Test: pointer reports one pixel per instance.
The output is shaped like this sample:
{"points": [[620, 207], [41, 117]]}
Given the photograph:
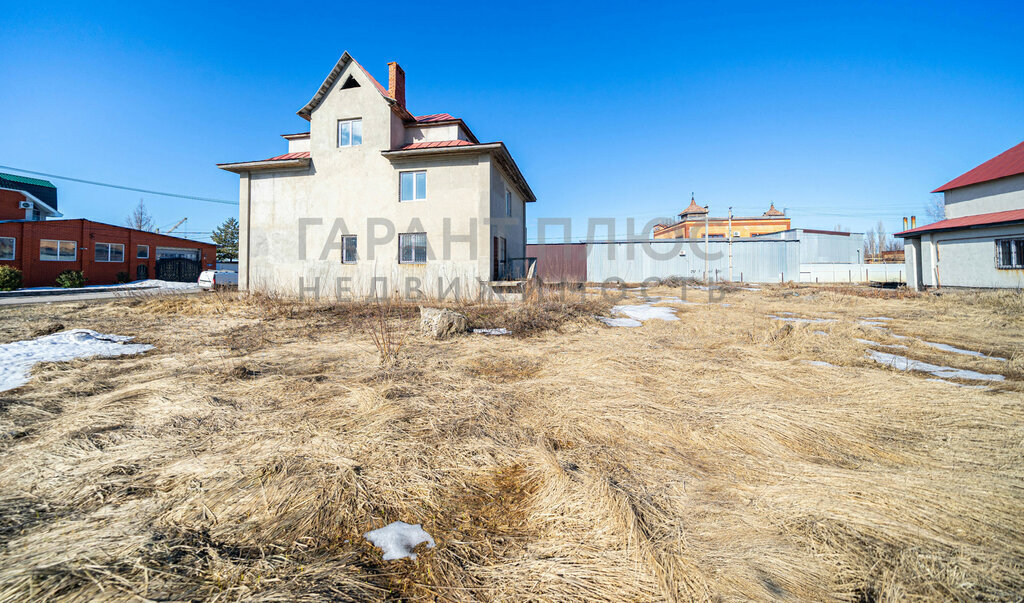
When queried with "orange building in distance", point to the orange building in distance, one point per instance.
{"points": [[691, 224]]}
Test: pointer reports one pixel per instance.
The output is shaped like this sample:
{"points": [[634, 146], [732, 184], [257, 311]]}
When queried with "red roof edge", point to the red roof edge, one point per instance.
{"points": [[998, 217], [1008, 163]]}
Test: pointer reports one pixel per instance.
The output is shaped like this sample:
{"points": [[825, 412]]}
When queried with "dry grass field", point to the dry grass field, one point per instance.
{"points": [[704, 458]]}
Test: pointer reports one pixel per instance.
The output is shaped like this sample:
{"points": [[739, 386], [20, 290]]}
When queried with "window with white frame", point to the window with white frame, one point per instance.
{"points": [[53, 250], [142, 252], [7, 248], [413, 185], [350, 132], [508, 202], [109, 252], [348, 249], [1009, 254], [412, 248]]}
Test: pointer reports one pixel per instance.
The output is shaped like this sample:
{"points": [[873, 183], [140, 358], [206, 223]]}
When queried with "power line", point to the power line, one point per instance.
{"points": [[118, 186]]}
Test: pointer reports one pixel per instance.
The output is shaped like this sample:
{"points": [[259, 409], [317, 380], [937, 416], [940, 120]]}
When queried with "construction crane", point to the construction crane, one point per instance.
{"points": [[176, 224]]}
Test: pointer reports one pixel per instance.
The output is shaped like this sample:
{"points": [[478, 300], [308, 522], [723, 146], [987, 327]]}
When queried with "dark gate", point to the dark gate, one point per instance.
{"points": [[182, 270], [141, 272]]}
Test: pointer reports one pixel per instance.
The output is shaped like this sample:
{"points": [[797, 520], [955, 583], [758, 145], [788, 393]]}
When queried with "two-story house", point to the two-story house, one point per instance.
{"points": [[374, 200], [980, 243]]}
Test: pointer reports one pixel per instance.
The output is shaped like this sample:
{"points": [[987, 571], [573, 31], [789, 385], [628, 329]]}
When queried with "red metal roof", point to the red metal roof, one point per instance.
{"points": [[436, 144], [999, 217], [286, 156], [1009, 163], [425, 119]]}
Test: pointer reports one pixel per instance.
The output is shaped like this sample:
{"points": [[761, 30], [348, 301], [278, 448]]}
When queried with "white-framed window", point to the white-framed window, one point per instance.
{"points": [[350, 132], [412, 248], [508, 202], [1009, 254], [413, 186], [7, 245], [348, 249], [109, 252], [52, 250], [142, 252]]}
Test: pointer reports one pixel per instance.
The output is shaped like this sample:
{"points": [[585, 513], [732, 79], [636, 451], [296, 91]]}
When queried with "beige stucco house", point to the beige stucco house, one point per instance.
{"points": [[375, 200], [980, 243]]}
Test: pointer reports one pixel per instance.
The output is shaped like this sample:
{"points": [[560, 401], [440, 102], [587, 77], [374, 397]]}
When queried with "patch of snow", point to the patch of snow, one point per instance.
{"points": [[948, 348], [881, 345], [956, 384], [750, 288], [146, 284], [646, 312], [18, 358], [906, 364], [875, 318], [619, 322], [498, 331], [818, 363], [800, 320], [398, 539], [821, 333], [872, 324]]}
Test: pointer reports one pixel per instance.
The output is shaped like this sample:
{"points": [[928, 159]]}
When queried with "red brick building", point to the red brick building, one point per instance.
{"points": [[42, 249]]}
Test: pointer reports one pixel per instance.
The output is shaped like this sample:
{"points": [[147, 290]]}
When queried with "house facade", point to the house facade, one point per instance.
{"points": [[373, 200], [693, 219], [980, 243]]}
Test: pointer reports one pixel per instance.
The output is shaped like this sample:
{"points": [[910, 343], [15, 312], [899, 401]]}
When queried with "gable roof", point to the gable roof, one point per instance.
{"points": [[975, 221], [772, 212], [1008, 163], [332, 77]]}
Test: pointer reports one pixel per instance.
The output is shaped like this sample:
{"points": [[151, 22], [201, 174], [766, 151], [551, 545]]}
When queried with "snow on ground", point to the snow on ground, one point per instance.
{"points": [[498, 331], [818, 363], [398, 539], [800, 320], [619, 322], [955, 384], [875, 318], [146, 284], [948, 348], [18, 358], [881, 345], [637, 313], [906, 364]]}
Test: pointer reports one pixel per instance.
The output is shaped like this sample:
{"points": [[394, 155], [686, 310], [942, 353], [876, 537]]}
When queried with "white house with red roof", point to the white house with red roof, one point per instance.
{"points": [[981, 241], [373, 199]]}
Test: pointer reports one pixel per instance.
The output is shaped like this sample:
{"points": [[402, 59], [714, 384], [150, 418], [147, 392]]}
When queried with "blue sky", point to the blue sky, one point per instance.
{"points": [[844, 114]]}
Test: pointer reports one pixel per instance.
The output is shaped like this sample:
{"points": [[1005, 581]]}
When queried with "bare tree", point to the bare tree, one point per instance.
{"points": [[935, 209], [870, 244], [140, 218]]}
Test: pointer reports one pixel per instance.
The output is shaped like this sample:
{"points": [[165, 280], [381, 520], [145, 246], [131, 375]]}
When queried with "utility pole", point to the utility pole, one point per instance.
{"points": [[707, 265], [730, 243]]}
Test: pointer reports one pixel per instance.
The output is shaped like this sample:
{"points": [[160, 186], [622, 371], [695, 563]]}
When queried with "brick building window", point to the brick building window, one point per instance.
{"points": [[142, 252], [109, 252], [52, 250], [1009, 254], [7, 248]]}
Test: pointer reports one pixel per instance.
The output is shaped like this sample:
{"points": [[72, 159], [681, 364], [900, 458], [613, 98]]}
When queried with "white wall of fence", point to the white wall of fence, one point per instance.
{"points": [[853, 273]]}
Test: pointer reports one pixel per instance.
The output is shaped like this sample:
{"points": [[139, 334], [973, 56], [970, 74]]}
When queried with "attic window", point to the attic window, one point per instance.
{"points": [[350, 83]]}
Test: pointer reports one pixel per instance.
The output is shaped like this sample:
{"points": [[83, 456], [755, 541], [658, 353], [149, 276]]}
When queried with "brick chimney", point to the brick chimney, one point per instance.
{"points": [[396, 83]]}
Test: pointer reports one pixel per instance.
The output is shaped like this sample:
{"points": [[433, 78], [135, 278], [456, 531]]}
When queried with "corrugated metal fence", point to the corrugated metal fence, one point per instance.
{"points": [[753, 261]]}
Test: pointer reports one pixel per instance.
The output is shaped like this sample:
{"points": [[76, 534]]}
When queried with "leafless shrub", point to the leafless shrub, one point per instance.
{"points": [[384, 324]]}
